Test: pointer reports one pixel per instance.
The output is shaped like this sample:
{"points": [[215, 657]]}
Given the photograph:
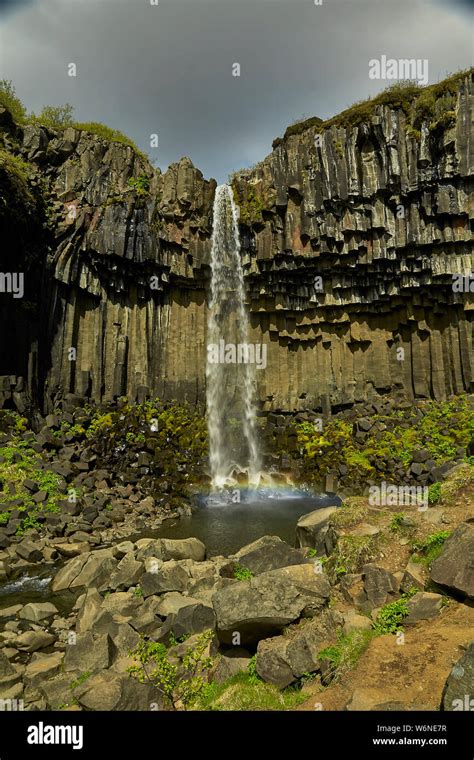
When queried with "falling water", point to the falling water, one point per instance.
{"points": [[230, 387]]}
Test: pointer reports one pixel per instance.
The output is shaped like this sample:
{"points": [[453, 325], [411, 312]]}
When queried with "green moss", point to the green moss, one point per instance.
{"points": [[442, 428], [251, 205]]}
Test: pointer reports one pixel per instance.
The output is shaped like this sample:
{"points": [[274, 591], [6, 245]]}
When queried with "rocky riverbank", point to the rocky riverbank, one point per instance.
{"points": [[271, 627]]}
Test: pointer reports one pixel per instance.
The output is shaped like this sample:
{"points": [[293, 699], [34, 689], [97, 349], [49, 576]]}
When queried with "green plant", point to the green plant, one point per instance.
{"points": [[137, 591], [80, 679], [242, 573], [180, 684], [140, 184], [343, 655], [252, 670], [397, 521], [431, 547], [56, 116], [434, 493], [391, 616], [10, 101]]}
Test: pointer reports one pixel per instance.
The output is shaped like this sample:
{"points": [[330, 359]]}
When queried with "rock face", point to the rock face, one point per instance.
{"points": [[458, 692], [454, 568], [119, 273]]}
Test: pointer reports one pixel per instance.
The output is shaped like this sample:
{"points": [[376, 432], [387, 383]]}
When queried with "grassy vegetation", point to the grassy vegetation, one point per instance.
{"points": [[351, 553], [430, 547], [242, 692], [433, 104], [59, 117], [344, 655]]}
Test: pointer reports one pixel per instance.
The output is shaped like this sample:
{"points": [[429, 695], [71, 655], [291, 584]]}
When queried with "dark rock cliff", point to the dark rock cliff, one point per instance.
{"points": [[116, 261]]}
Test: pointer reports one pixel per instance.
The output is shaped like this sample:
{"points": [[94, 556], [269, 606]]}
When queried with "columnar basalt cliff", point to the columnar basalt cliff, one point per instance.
{"points": [[377, 203]]}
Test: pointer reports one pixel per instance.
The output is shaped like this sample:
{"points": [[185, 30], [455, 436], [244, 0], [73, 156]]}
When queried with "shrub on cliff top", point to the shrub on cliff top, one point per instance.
{"points": [[418, 103]]}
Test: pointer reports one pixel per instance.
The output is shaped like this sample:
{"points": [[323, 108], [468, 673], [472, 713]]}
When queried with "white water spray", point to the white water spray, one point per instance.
{"points": [[229, 386]]}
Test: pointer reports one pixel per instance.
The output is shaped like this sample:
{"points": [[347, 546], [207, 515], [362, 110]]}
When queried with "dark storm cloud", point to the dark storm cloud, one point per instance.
{"points": [[168, 69]]}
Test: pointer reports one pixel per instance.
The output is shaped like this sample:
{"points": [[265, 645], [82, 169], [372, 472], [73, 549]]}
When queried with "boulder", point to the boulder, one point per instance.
{"points": [[6, 668], [312, 529], [116, 691], [42, 667], [268, 553], [123, 603], [423, 606], [29, 551], [380, 585], [281, 660], [89, 569], [172, 602], [89, 610], [171, 577], [36, 612], [168, 549], [89, 653], [263, 605], [354, 622], [454, 568], [128, 573], [30, 641], [458, 692], [191, 619], [230, 663], [413, 577]]}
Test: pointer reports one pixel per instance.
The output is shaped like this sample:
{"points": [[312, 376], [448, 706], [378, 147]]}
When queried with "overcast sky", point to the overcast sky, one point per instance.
{"points": [[167, 69]]}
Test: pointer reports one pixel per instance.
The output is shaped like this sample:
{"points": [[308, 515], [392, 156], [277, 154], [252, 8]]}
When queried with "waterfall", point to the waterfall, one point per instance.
{"points": [[229, 384]]}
